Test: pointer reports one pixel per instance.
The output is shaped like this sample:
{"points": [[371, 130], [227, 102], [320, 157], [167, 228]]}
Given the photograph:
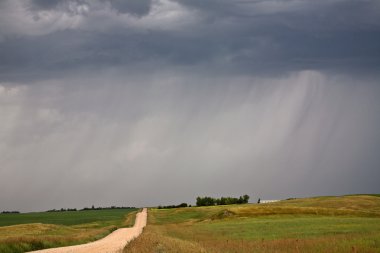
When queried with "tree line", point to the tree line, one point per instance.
{"points": [[174, 206], [7, 212], [89, 208], [74, 209], [209, 201]]}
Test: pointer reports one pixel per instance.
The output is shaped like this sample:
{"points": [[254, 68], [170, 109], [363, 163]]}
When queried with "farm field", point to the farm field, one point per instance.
{"points": [[32, 231], [321, 224]]}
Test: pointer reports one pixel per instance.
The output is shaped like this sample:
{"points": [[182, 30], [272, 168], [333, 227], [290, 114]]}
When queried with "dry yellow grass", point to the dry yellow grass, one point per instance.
{"points": [[51, 234], [356, 205], [154, 239], [361, 203]]}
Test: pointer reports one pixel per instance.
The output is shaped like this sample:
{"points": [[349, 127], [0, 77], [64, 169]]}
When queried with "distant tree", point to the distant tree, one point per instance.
{"points": [[209, 201], [206, 201], [10, 212], [173, 206], [199, 201]]}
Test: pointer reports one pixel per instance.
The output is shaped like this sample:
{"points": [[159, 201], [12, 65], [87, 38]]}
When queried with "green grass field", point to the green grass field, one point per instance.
{"points": [[65, 218], [321, 224], [33, 231]]}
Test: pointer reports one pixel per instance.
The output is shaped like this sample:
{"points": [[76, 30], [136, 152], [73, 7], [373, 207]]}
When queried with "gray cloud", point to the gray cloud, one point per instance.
{"points": [[46, 4], [172, 136], [138, 7], [247, 37], [174, 99]]}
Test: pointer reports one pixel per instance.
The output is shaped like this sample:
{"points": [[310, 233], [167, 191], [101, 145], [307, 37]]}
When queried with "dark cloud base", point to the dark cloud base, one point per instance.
{"points": [[329, 36]]}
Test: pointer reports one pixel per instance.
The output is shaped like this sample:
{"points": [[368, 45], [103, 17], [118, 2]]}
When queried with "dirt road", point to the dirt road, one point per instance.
{"points": [[113, 243]]}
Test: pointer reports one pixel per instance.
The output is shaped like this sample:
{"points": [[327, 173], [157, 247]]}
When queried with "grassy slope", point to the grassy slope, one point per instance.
{"points": [[44, 230], [323, 224]]}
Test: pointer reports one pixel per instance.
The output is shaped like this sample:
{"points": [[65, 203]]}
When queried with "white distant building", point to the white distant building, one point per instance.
{"points": [[265, 201]]}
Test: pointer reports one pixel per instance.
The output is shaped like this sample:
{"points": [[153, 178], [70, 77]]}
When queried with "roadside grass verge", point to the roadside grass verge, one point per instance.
{"points": [[35, 236], [323, 224], [155, 240]]}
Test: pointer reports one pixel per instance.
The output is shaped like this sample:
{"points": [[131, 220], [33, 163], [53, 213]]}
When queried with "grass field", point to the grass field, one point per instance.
{"points": [[32, 231], [321, 224]]}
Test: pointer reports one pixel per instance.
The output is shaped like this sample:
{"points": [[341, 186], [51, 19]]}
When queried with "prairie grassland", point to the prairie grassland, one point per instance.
{"points": [[325, 224], [65, 228]]}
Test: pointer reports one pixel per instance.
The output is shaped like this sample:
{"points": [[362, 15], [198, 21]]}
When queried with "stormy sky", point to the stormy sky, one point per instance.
{"points": [[148, 102]]}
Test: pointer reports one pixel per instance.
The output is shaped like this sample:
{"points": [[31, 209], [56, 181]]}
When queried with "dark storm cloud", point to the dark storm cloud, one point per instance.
{"points": [[139, 7], [46, 4], [293, 35], [237, 36], [174, 99]]}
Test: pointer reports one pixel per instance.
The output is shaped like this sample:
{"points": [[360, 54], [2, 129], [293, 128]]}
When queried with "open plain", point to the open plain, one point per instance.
{"points": [[320, 224]]}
